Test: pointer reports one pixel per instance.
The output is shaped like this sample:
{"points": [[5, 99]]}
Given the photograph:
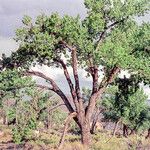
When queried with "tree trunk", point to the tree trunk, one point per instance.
{"points": [[125, 130], [115, 128], [148, 135], [85, 133]]}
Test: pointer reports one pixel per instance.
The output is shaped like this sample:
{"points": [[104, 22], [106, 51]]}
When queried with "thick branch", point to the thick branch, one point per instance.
{"points": [[95, 79], [74, 66], [66, 73], [66, 45], [47, 88], [76, 78], [102, 87], [55, 88], [115, 70]]}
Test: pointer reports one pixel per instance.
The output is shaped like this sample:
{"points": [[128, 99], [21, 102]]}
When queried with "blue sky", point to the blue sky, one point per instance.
{"points": [[11, 13]]}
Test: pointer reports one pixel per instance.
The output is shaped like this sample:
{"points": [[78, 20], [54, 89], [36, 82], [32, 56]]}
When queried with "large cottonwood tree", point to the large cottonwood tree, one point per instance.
{"points": [[108, 37]]}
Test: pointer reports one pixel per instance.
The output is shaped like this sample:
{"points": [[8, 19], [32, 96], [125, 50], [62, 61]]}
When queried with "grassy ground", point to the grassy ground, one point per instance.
{"points": [[48, 140]]}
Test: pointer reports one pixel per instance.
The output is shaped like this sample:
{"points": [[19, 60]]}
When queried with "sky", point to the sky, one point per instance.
{"points": [[11, 14]]}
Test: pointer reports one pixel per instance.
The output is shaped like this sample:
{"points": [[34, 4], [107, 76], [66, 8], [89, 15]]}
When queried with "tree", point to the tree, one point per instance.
{"points": [[109, 37], [11, 86], [25, 105], [27, 114], [126, 103]]}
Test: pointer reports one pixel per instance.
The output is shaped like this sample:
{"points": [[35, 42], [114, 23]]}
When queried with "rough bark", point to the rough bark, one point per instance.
{"points": [[85, 133]]}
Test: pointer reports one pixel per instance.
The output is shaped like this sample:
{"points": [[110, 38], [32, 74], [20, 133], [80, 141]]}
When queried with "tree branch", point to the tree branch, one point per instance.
{"points": [[55, 88], [75, 72], [47, 88], [105, 30], [76, 78], [102, 87], [44, 87], [95, 79], [115, 70], [66, 73], [44, 108]]}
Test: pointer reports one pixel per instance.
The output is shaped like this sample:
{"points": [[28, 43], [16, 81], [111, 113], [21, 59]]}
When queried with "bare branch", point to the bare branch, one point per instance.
{"points": [[115, 70], [66, 73], [75, 71], [66, 45], [95, 79], [55, 107], [51, 109], [55, 88]]}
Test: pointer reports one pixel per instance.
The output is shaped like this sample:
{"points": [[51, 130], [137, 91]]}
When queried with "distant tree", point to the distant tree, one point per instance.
{"points": [[24, 105], [11, 86], [108, 36], [126, 103], [29, 113]]}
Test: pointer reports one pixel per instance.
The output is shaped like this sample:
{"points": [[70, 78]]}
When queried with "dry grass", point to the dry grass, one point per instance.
{"points": [[6, 134], [101, 141]]}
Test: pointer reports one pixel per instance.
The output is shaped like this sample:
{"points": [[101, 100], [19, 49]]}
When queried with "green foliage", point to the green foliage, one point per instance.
{"points": [[11, 81], [26, 105], [127, 102], [25, 121], [58, 117], [17, 137], [124, 43]]}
